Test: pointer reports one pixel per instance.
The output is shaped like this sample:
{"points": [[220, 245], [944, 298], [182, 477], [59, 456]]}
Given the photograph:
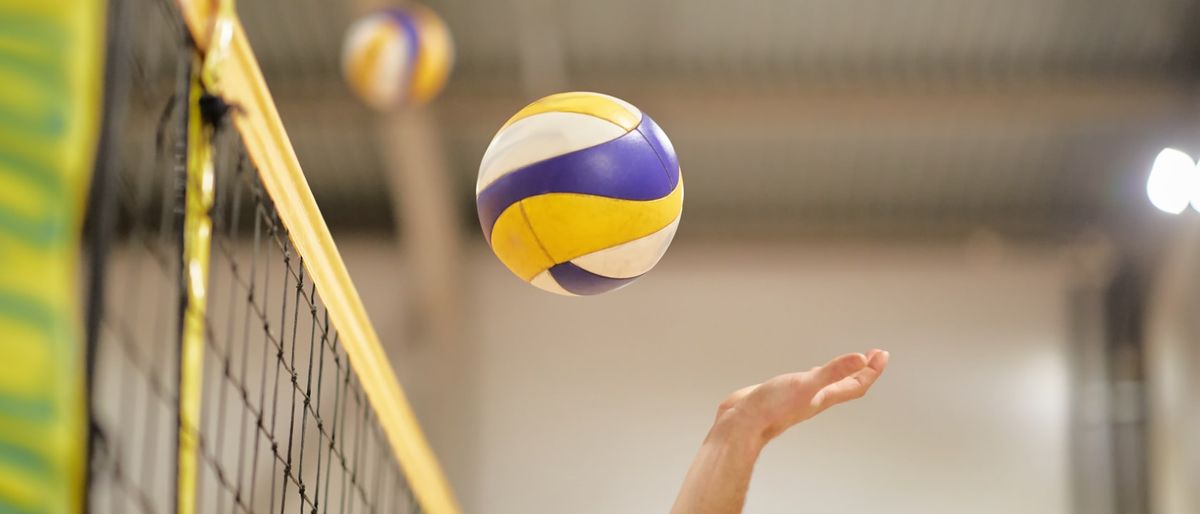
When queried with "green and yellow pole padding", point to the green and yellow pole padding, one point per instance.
{"points": [[267, 143], [197, 245], [51, 62]]}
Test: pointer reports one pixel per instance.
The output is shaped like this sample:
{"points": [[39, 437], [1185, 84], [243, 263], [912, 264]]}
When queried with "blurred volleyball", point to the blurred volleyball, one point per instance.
{"points": [[398, 55], [579, 193]]}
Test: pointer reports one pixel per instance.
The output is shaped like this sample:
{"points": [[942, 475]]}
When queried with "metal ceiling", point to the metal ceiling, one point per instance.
{"points": [[1035, 117]]}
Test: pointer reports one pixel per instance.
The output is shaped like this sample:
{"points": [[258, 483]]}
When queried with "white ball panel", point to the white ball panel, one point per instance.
{"points": [[383, 84], [546, 282], [387, 80], [540, 137], [631, 259], [357, 36]]}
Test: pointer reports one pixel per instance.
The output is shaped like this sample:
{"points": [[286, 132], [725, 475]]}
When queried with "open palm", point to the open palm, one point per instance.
{"points": [[788, 399]]}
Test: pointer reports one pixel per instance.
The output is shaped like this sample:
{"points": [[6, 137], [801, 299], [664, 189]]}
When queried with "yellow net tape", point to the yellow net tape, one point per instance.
{"points": [[267, 143], [197, 243]]}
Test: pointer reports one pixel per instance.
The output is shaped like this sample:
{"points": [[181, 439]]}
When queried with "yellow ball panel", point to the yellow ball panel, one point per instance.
{"points": [[592, 104], [517, 246], [435, 60], [569, 225], [362, 65]]}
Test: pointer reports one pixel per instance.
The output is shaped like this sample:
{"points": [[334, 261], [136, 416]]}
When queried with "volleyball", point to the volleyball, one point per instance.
{"points": [[397, 56], [579, 193]]}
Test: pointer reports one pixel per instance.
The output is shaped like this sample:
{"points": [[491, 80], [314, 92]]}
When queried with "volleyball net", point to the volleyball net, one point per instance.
{"points": [[232, 366]]}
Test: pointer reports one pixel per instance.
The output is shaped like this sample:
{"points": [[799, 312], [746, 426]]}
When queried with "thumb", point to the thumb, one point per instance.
{"points": [[838, 368]]}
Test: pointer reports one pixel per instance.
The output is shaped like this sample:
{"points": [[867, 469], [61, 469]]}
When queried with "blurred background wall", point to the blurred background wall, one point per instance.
{"points": [[597, 406]]}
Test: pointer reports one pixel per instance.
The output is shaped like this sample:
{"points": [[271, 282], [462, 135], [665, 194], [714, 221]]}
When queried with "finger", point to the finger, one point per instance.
{"points": [[854, 386], [878, 360], [849, 388], [838, 368]]}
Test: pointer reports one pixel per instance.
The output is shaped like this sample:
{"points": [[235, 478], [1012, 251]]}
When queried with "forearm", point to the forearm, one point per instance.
{"points": [[719, 477]]}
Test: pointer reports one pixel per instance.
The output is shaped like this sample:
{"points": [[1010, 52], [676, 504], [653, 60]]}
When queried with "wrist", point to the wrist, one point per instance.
{"points": [[735, 428]]}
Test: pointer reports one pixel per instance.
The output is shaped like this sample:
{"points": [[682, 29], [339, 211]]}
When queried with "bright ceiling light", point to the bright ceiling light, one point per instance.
{"points": [[1173, 181]]}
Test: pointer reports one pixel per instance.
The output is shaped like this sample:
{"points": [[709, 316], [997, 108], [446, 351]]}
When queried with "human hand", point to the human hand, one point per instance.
{"points": [[770, 408], [717, 481]]}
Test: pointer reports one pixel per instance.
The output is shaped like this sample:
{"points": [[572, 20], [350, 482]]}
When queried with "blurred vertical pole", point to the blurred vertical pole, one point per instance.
{"points": [[1090, 429], [539, 41], [1108, 414], [1173, 377], [441, 370], [423, 200], [1125, 308]]}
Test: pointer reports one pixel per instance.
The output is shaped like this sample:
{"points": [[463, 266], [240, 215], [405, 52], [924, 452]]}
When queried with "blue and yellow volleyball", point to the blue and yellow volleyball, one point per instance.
{"points": [[398, 56], [579, 193]]}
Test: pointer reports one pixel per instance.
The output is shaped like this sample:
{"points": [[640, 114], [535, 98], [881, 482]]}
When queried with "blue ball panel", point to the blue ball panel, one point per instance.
{"points": [[627, 167]]}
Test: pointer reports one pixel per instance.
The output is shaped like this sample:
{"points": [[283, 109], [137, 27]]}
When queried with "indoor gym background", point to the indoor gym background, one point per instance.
{"points": [[962, 183]]}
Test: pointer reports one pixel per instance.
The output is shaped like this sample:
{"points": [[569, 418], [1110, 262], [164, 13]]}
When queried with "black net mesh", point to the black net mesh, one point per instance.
{"points": [[285, 424], [134, 253]]}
